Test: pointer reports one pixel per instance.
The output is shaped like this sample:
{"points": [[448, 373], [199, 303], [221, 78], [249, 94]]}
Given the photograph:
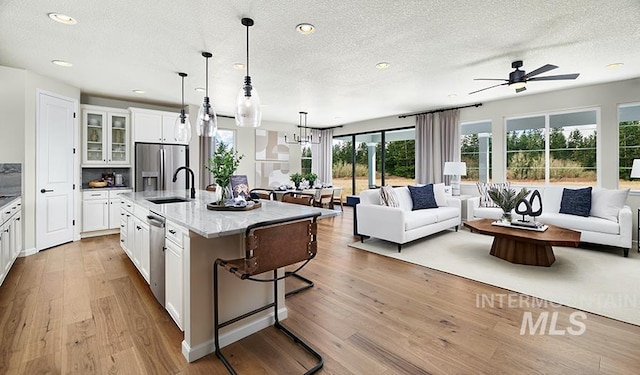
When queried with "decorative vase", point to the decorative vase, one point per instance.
{"points": [[506, 217]]}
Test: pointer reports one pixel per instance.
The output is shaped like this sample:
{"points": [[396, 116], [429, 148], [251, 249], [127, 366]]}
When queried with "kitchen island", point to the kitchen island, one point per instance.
{"points": [[212, 235]]}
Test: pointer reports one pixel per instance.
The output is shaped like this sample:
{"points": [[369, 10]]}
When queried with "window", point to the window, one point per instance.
{"points": [[475, 150], [306, 159], [226, 136], [557, 148], [365, 160], [400, 157], [629, 143]]}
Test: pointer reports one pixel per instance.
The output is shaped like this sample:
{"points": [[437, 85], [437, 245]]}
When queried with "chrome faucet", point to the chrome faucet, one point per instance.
{"points": [[193, 178]]}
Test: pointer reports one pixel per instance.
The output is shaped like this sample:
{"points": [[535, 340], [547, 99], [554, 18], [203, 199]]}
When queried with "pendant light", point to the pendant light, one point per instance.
{"points": [[304, 137], [182, 128], [207, 121], [248, 113]]}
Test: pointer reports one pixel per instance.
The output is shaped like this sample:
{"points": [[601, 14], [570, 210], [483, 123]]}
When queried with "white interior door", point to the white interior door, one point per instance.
{"points": [[55, 161]]}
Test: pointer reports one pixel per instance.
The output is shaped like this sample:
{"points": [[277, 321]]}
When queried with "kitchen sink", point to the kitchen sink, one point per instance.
{"points": [[166, 200]]}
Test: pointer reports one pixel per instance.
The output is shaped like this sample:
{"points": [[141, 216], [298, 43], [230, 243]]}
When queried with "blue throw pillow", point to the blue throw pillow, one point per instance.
{"points": [[422, 197], [576, 202]]}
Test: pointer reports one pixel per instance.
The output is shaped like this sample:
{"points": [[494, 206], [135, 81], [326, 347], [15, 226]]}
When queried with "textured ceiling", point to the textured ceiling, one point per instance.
{"points": [[436, 48]]}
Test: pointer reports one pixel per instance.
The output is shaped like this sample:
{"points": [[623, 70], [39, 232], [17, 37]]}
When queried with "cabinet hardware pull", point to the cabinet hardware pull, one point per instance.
{"points": [[172, 231], [96, 195], [138, 227]]}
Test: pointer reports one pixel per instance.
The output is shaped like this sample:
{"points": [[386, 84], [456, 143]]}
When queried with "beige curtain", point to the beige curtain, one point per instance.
{"points": [[424, 149], [449, 139], [206, 151], [436, 145], [322, 155]]}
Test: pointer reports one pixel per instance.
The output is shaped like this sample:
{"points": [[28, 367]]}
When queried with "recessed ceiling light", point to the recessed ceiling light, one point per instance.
{"points": [[62, 18], [614, 65], [383, 65], [453, 95], [305, 28], [200, 89], [239, 66], [66, 64], [139, 91]]}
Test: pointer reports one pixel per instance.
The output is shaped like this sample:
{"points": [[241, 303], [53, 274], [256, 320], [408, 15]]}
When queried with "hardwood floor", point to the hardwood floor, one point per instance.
{"points": [[83, 308]]}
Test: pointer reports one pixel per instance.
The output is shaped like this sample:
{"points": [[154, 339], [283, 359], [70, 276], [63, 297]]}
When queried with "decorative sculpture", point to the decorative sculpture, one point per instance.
{"points": [[534, 200]]}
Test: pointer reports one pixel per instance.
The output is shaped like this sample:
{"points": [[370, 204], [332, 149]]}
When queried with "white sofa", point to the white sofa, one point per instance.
{"points": [[400, 224], [594, 229]]}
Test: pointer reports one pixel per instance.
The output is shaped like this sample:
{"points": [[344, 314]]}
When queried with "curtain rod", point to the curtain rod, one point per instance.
{"points": [[441, 110]]}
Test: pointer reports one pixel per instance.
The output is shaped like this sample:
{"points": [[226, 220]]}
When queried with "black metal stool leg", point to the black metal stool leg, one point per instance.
{"points": [[291, 335], [216, 325], [309, 283]]}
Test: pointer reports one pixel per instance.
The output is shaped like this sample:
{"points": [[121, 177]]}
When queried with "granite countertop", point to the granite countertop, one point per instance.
{"points": [[6, 202], [195, 216]]}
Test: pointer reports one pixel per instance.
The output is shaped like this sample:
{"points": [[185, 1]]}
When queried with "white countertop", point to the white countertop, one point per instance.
{"points": [[195, 216]]}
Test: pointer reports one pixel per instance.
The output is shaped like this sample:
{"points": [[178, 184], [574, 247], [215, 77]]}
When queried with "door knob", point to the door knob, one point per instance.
{"points": [[45, 191]]}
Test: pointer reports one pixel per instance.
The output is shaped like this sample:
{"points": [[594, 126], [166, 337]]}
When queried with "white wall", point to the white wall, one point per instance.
{"points": [[12, 115]]}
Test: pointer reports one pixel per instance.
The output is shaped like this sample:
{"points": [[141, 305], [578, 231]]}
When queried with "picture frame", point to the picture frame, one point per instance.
{"points": [[240, 186]]}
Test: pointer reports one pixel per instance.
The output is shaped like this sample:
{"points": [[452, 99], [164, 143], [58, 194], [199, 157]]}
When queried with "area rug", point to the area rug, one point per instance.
{"points": [[597, 280]]}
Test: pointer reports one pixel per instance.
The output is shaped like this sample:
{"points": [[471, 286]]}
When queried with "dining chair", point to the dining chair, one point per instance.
{"points": [[269, 246], [325, 199], [337, 198], [295, 197], [262, 193]]}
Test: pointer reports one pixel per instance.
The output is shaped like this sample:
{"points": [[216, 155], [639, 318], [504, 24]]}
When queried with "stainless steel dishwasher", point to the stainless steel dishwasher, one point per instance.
{"points": [[156, 254]]}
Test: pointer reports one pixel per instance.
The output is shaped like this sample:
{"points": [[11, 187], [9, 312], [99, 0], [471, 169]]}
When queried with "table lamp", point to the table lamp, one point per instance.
{"points": [[635, 169], [457, 169]]}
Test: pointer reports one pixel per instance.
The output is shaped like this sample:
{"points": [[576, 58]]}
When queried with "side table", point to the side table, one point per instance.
{"points": [[463, 204]]}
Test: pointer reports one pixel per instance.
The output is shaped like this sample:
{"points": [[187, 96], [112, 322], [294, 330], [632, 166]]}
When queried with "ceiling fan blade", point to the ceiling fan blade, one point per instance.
{"points": [[490, 87], [520, 89], [490, 79], [540, 70], [553, 78]]}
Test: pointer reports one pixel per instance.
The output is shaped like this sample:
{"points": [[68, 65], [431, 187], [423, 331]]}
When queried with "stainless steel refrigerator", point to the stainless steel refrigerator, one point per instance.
{"points": [[156, 164]]}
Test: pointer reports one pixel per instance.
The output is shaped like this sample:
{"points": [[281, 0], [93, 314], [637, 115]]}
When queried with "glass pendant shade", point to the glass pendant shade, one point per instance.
{"points": [[248, 113], [207, 119], [182, 129]]}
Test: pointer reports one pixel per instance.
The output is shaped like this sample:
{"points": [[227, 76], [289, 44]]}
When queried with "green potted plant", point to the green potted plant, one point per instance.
{"points": [[506, 199], [222, 166], [311, 178], [296, 178]]}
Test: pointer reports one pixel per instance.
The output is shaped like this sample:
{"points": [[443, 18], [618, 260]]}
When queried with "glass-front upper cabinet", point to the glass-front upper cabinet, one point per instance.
{"points": [[119, 138], [105, 136]]}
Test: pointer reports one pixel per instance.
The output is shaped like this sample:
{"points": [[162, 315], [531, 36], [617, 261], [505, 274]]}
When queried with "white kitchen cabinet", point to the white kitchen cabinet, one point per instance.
{"points": [[176, 238], [95, 210], [10, 236], [105, 136], [114, 207], [154, 126], [141, 248], [101, 210]]}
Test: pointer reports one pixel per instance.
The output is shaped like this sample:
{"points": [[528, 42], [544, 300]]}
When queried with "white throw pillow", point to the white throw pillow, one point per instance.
{"points": [[388, 197], [439, 193], [606, 203]]}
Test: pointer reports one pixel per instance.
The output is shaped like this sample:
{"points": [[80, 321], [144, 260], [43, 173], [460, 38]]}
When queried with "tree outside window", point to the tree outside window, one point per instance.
{"points": [[475, 150], [629, 143]]}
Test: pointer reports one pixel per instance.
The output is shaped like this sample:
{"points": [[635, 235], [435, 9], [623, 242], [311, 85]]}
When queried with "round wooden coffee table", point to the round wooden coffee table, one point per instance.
{"points": [[523, 246]]}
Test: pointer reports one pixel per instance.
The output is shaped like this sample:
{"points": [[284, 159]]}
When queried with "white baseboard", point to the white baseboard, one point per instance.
{"points": [[99, 233], [226, 338], [27, 252]]}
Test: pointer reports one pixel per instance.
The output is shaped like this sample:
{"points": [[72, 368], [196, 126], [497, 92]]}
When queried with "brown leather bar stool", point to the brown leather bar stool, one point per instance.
{"points": [[304, 199], [268, 246]]}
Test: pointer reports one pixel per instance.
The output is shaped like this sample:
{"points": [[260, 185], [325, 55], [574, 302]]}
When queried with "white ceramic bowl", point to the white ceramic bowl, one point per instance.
{"points": [[118, 123], [93, 121]]}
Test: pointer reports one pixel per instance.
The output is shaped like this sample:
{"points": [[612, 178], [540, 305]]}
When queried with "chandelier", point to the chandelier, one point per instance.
{"points": [[304, 135]]}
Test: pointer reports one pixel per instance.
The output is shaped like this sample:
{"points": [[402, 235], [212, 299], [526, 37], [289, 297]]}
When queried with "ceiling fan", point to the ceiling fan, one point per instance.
{"points": [[518, 78]]}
